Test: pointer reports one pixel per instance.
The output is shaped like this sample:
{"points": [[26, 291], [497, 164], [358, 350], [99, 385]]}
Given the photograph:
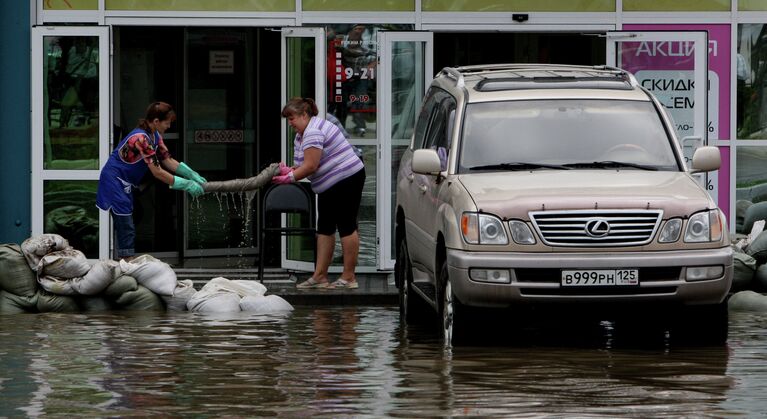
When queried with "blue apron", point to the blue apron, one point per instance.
{"points": [[118, 178]]}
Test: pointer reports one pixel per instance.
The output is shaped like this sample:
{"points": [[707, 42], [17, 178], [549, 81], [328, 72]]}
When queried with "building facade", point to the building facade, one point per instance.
{"points": [[228, 66]]}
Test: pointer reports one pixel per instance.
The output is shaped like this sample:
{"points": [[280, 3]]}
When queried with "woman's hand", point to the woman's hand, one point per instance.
{"points": [[282, 179], [284, 170]]}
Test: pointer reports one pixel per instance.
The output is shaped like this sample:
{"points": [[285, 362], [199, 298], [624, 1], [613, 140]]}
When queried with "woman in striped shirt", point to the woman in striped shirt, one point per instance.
{"points": [[324, 156]]}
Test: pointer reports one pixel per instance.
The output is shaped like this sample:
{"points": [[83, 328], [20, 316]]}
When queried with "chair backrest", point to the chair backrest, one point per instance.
{"points": [[288, 198]]}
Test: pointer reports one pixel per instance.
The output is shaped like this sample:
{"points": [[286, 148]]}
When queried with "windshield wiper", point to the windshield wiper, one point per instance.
{"points": [[604, 164], [519, 166]]}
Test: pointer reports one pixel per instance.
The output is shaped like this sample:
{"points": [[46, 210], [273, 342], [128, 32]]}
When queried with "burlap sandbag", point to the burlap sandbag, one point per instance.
{"points": [[181, 295], [67, 263], [759, 282], [152, 273], [15, 275], [121, 285], [94, 303], [52, 303], [747, 301], [34, 248], [758, 248], [754, 213], [14, 304], [141, 299], [269, 304], [745, 266]]}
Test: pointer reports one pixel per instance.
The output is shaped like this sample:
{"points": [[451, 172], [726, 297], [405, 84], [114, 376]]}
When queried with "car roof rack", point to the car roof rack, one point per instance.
{"points": [[590, 77]]}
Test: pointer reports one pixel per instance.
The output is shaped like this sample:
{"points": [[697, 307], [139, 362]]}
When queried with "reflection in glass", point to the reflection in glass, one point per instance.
{"points": [[352, 73], [71, 102], [751, 74], [70, 212], [750, 187]]}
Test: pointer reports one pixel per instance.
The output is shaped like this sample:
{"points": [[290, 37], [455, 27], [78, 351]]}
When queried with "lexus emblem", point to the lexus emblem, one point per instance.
{"points": [[597, 227]]}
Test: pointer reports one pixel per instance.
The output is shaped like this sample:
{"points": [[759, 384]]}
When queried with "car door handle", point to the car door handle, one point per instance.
{"points": [[423, 188], [410, 176]]}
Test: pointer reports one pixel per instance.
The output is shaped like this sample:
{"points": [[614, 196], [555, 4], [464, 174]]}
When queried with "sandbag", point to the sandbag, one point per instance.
{"points": [[16, 276], [14, 304], [140, 299], [52, 303], [94, 303], [98, 277], [755, 212], [747, 301], [759, 283], [221, 295], [152, 273], [34, 248], [758, 248], [67, 263], [120, 286], [268, 304], [240, 185], [744, 267], [181, 295]]}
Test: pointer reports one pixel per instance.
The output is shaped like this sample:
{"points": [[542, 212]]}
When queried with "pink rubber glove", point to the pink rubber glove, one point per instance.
{"points": [[284, 170], [283, 179]]}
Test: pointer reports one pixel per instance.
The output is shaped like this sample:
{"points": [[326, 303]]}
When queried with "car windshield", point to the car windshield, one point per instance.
{"points": [[571, 134]]}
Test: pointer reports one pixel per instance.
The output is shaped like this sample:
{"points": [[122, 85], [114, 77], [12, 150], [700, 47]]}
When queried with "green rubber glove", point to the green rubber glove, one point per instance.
{"points": [[191, 187], [187, 172]]}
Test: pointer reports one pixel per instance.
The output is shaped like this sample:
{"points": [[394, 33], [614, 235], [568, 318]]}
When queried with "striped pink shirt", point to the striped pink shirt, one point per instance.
{"points": [[338, 160]]}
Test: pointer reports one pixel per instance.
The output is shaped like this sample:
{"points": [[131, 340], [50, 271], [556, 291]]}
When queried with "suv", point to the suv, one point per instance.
{"points": [[533, 184]]}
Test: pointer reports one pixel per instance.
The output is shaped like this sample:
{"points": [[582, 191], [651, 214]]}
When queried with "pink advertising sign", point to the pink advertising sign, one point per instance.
{"points": [[660, 73]]}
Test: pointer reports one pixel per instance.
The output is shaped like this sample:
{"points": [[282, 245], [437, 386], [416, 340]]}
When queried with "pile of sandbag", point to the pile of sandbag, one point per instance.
{"points": [[45, 274], [221, 295]]}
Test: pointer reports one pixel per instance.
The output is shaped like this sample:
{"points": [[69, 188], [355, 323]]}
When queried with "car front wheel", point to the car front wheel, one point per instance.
{"points": [[455, 316]]}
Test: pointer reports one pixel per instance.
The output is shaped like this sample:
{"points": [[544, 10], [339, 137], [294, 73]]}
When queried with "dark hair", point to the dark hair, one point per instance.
{"points": [[157, 110], [299, 106]]}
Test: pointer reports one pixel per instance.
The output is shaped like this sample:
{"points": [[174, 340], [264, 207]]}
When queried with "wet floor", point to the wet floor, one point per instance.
{"points": [[359, 362]]}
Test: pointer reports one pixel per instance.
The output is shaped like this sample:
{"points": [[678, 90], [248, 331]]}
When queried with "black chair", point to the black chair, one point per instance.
{"points": [[290, 198]]}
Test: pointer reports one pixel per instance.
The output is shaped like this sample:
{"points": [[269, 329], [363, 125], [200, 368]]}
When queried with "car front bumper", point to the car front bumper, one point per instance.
{"points": [[536, 277]]}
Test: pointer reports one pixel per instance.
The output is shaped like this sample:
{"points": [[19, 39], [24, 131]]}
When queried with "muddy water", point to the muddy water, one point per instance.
{"points": [[359, 362]]}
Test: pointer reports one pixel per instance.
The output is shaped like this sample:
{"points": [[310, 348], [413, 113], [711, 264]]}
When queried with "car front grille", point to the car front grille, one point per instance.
{"points": [[596, 228]]}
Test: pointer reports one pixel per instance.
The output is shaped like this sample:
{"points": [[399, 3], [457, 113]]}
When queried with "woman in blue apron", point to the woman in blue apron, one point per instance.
{"points": [[141, 150]]}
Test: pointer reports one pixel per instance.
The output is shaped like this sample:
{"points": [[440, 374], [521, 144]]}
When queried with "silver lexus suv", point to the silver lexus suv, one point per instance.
{"points": [[554, 186]]}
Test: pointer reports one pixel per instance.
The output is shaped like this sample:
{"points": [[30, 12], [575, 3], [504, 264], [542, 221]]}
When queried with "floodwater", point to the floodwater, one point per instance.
{"points": [[359, 362]]}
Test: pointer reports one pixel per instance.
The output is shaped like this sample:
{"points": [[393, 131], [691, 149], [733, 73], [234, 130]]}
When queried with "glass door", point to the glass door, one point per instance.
{"points": [[406, 70], [303, 75], [70, 134], [674, 67]]}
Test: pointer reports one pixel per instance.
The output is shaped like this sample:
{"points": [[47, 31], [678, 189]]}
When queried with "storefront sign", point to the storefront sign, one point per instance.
{"points": [[671, 80]]}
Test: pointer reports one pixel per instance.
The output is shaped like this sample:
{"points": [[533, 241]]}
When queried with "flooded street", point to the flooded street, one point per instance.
{"points": [[358, 361]]}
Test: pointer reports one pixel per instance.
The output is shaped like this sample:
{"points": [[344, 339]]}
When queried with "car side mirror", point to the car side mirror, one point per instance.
{"points": [[426, 161], [706, 159]]}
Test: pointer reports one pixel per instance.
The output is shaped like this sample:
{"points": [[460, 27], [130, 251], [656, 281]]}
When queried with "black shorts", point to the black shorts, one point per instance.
{"points": [[337, 207]]}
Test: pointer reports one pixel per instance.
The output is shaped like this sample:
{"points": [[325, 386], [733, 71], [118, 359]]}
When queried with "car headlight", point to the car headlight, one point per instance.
{"points": [[671, 231], [705, 226], [482, 229], [520, 232]]}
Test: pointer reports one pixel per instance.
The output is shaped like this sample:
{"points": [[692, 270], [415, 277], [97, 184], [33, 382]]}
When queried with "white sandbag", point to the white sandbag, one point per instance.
{"points": [[221, 295], [219, 302], [96, 280], [152, 273], [34, 248], [65, 264], [747, 301], [181, 296], [268, 304]]}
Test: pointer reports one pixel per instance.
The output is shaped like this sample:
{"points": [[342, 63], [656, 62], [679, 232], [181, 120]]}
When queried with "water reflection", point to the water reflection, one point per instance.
{"points": [[351, 361]]}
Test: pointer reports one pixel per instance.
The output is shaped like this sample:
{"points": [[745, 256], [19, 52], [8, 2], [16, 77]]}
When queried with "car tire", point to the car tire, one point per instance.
{"points": [[412, 308], [454, 316]]}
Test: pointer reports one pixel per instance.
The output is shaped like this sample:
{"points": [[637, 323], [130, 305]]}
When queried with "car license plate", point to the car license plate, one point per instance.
{"points": [[599, 277]]}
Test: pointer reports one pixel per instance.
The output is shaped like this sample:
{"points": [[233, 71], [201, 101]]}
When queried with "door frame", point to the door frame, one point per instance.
{"points": [[320, 80], [384, 213], [39, 174]]}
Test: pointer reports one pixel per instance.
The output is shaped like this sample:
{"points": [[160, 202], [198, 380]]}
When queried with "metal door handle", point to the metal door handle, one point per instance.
{"points": [[410, 176], [423, 188]]}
